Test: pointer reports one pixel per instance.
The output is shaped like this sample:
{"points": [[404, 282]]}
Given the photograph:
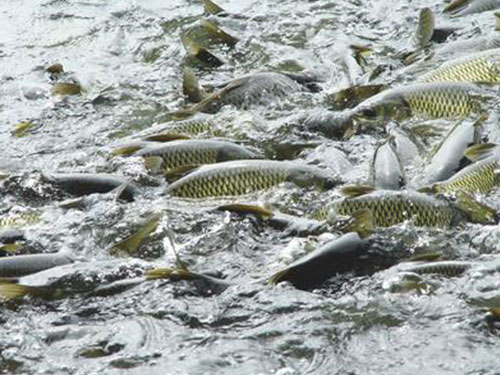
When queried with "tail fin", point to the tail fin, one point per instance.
{"points": [[212, 8], [218, 34], [131, 244], [425, 27], [190, 86], [11, 291], [196, 50]]}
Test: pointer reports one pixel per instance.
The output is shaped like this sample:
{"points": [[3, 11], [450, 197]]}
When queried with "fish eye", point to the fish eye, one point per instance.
{"points": [[369, 113]]}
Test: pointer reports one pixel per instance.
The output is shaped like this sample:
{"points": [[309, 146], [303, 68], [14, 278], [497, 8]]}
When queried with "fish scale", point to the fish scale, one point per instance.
{"points": [[479, 177], [445, 102], [393, 207], [20, 220], [480, 67], [245, 176]]}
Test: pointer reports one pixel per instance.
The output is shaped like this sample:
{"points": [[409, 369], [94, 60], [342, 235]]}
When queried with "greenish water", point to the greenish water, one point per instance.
{"points": [[128, 58]]}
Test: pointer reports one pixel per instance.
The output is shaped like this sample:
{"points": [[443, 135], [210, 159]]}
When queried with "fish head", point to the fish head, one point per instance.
{"points": [[381, 108], [320, 179], [332, 124]]}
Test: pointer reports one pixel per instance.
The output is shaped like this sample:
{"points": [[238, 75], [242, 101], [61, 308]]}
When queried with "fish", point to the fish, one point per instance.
{"points": [[445, 268], [479, 177], [210, 283], [386, 169], [66, 279], [22, 265], [248, 91], [429, 100], [425, 28], [408, 146], [481, 67], [333, 257], [178, 154], [448, 157], [361, 221], [21, 220], [80, 184], [475, 6], [245, 176], [390, 207], [352, 96], [8, 236]]}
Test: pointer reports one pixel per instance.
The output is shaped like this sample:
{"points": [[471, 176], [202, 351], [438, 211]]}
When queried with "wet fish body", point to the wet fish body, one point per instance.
{"points": [[335, 256], [480, 177], [449, 155], [387, 170], [242, 177], [80, 184], [433, 100], [196, 152], [446, 268], [482, 67], [20, 220], [393, 207], [22, 265], [477, 6], [248, 91]]}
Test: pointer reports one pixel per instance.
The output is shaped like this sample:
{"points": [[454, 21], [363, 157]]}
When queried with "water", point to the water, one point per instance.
{"points": [[128, 58]]}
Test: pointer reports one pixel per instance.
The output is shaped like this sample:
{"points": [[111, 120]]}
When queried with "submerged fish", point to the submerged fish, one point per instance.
{"points": [[179, 154], [386, 169], [434, 100], [324, 262], [360, 222], [244, 92], [20, 220], [449, 155], [87, 183], [475, 6], [246, 176], [482, 67], [446, 268], [21, 265]]}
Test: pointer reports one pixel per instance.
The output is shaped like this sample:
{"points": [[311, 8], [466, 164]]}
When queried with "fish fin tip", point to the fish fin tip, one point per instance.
{"points": [[352, 191]]}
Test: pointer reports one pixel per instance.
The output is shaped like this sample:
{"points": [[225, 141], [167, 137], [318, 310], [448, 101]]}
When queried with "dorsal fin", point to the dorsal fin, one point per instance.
{"points": [[174, 174], [247, 209], [352, 191], [131, 244], [361, 222], [481, 151], [166, 137]]}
